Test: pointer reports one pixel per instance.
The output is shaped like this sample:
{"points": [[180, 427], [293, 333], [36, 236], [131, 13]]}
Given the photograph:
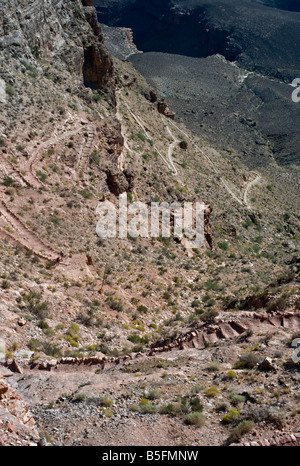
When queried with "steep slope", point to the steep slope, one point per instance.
{"points": [[119, 321], [225, 67]]}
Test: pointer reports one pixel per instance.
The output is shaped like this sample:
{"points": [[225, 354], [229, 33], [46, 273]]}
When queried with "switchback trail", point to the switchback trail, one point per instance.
{"points": [[249, 186], [199, 338], [138, 120], [215, 169], [244, 201]]}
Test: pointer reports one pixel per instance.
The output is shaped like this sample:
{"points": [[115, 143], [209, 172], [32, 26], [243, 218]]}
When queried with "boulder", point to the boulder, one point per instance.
{"points": [[267, 365], [163, 108]]}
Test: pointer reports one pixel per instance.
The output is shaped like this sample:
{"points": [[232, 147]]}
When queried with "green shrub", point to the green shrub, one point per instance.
{"points": [[166, 409], [10, 90], [43, 325], [148, 409], [209, 316], [105, 401], [196, 304], [142, 309], [231, 416], [139, 136], [196, 405], [5, 285], [32, 69], [115, 304], [231, 375], [80, 397], [97, 97], [94, 158], [153, 394], [278, 304], [235, 398], [223, 245], [34, 344], [8, 181], [213, 366], [223, 406], [49, 332], [55, 220], [196, 419], [86, 194], [134, 338], [247, 361], [241, 429], [145, 406], [72, 335], [36, 52], [146, 157], [42, 176], [212, 392], [52, 349], [135, 408], [211, 285], [269, 415], [35, 305]]}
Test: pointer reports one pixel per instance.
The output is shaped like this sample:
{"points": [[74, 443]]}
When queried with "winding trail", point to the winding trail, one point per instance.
{"points": [[84, 156], [169, 160], [171, 149], [138, 120], [119, 116], [23, 235], [249, 186], [215, 169], [232, 328], [71, 127], [199, 338], [243, 201], [27, 179], [10, 170], [49, 141]]}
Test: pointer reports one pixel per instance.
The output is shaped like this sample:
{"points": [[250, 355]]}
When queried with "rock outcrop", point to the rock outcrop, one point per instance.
{"points": [[163, 108], [17, 426], [68, 30]]}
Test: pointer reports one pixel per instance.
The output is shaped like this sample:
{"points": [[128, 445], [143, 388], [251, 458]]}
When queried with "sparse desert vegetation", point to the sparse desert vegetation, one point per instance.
{"points": [[125, 340]]}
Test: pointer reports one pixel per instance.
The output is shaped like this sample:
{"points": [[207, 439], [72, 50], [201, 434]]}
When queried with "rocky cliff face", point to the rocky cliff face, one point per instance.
{"points": [[67, 30]]}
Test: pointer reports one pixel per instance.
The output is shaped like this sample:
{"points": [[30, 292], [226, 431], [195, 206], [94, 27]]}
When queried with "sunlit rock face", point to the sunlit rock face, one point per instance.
{"points": [[66, 29]]}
